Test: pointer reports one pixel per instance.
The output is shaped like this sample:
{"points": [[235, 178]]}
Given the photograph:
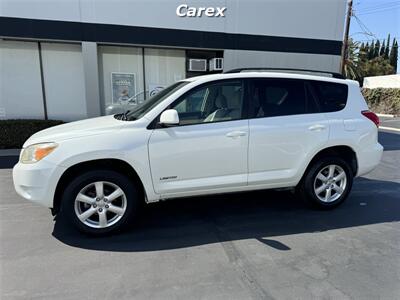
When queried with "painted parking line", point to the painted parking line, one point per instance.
{"points": [[389, 128]]}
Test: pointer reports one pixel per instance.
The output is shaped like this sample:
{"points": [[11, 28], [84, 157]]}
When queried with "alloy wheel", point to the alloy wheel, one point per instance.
{"points": [[100, 204], [330, 183]]}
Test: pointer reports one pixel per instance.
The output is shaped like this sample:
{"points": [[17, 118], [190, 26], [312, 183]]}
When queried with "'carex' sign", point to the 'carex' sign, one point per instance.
{"points": [[184, 10]]}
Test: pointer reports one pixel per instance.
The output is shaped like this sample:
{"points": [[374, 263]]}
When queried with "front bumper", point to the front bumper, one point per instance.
{"points": [[37, 182]]}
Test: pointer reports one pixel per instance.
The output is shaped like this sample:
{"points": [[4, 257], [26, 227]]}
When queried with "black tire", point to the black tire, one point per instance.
{"points": [[306, 189], [131, 202]]}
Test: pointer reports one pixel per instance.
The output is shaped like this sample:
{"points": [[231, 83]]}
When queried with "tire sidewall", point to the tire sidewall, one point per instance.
{"points": [[76, 185], [308, 183]]}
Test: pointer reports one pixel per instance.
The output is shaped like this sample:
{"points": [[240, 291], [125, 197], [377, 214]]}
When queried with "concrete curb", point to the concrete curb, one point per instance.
{"points": [[10, 152], [389, 128], [385, 116]]}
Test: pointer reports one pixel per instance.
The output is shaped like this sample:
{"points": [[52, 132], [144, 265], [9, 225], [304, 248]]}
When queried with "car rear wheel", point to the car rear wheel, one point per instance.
{"points": [[100, 201], [327, 183]]}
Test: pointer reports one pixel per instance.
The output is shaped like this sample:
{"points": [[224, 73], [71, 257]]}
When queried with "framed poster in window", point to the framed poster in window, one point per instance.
{"points": [[123, 87]]}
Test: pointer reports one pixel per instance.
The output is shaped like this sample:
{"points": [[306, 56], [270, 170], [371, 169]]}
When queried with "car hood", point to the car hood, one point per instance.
{"points": [[75, 129]]}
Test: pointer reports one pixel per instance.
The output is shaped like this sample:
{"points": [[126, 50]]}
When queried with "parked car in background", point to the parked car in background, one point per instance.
{"points": [[117, 108], [211, 134]]}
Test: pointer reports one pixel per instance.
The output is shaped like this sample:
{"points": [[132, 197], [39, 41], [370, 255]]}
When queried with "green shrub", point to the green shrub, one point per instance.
{"points": [[13, 133], [383, 100]]}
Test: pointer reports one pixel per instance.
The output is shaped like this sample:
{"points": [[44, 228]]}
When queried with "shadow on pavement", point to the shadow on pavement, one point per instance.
{"points": [[390, 141], [257, 215]]}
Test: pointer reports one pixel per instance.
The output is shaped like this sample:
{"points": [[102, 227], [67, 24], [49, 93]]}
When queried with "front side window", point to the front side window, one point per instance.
{"points": [[143, 108], [214, 102], [278, 97]]}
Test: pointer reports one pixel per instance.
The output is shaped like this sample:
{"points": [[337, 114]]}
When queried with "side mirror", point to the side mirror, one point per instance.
{"points": [[169, 117]]}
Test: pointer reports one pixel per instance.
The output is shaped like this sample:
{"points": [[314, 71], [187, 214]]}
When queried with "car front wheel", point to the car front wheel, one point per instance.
{"points": [[100, 201]]}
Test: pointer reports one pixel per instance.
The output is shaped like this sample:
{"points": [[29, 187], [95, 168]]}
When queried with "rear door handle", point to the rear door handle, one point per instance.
{"points": [[317, 127], [235, 134]]}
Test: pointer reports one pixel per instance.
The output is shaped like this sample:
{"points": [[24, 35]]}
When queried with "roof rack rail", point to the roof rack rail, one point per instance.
{"points": [[333, 74]]}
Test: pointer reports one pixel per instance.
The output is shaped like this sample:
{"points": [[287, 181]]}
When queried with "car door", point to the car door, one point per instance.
{"points": [[286, 127], [208, 149]]}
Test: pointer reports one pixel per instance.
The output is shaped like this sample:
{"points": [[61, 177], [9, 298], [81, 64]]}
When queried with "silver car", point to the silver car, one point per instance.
{"points": [[129, 104]]}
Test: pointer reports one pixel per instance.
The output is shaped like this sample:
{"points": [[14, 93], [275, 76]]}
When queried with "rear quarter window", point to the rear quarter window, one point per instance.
{"points": [[331, 96]]}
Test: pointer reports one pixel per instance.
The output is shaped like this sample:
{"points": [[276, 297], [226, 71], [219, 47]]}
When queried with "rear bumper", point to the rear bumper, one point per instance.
{"points": [[37, 182], [369, 158]]}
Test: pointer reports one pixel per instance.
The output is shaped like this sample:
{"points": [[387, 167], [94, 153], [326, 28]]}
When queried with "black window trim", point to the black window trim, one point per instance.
{"points": [[154, 124]]}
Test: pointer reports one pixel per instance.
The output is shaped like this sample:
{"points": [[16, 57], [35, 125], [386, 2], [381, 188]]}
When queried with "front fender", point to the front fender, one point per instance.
{"points": [[127, 146]]}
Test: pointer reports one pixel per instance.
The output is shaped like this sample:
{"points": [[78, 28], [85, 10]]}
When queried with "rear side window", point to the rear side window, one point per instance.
{"points": [[280, 97], [332, 96]]}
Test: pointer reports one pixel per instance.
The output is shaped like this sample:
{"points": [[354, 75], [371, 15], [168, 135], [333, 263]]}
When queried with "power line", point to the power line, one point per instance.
{"points": [[363, 27], [379, 11], [380, 39], [377, 6], [380, 5]]}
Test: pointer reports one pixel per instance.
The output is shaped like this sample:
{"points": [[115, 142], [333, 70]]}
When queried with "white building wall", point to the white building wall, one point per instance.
{"points": [[242, 58], [318, 19], [384, 81], [20, 81]]}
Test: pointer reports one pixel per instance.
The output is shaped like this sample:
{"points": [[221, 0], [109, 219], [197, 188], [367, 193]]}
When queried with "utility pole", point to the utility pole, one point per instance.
{"points": [[346, 33]]}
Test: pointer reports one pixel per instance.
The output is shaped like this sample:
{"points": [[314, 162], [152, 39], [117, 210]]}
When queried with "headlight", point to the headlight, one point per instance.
{"points": [[36, 152]]}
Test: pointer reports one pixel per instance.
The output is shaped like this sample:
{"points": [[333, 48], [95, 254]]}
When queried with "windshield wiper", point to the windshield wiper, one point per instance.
{"points": [[124, 116]]}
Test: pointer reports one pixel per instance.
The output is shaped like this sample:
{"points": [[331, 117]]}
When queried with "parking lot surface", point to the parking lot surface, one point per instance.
{"points": [[259, 245]]}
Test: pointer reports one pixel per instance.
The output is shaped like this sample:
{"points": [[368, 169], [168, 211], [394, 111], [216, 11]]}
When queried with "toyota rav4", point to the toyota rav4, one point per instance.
{"points": [[212, 134]]}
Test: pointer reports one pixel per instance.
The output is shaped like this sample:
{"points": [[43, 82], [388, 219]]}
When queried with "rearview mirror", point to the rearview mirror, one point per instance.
{"points": [[169, 117]]}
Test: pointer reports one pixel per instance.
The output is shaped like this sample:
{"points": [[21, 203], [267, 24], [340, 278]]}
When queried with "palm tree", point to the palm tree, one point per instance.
{"points": [[351, 61]]}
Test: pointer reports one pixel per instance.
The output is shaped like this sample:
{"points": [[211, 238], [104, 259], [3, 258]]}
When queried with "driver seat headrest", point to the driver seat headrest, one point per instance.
{"points": [[220, 101]]}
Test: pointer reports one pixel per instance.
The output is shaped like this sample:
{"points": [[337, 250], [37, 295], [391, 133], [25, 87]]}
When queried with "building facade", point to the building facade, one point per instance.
{"points": [[72, 59]]}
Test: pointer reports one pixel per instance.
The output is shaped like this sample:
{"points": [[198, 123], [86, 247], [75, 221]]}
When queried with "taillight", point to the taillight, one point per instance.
{"points": [[370, 115]]}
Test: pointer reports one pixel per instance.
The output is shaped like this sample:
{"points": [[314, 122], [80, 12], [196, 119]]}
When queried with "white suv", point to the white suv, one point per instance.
{"points": [[211, 134]]}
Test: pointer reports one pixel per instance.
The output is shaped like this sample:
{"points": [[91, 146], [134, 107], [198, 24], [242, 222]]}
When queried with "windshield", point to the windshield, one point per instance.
{"points": [[143, 108]]}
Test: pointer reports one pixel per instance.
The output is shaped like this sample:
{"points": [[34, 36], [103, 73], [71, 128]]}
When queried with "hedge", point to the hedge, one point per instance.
{"points": [[13, 133], [383, 100]]}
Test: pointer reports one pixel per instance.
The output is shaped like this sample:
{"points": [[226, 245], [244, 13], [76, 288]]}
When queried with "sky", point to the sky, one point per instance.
{"points": [[375, 19]]}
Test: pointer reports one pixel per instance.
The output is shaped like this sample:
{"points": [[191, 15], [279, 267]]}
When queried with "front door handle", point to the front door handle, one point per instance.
{"points": [[235, 134], [317, 127]]}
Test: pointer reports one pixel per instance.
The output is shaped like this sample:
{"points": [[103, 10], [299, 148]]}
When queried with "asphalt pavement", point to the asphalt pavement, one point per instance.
{"points": [[258, 245]]}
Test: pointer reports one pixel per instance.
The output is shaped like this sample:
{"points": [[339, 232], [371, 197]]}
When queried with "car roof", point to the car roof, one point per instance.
{"points": [[266, 74]]}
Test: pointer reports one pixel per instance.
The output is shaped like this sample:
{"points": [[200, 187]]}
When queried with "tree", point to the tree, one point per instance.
{"points": [[394, 55], [387, 47], [377, 48], [362, 47], [363, 52], [373, 59], [351, 61], [371, 50], [382, 50], [376, 66]]}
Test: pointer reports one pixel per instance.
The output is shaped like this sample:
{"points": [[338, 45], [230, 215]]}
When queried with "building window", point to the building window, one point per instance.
{"points": [[163, 67], [121, 77]]}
